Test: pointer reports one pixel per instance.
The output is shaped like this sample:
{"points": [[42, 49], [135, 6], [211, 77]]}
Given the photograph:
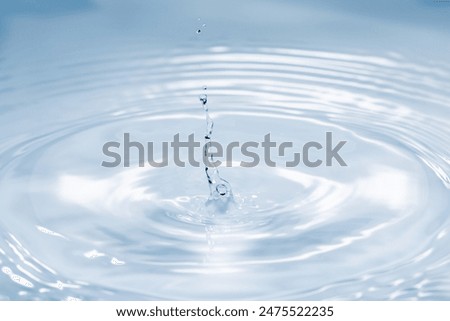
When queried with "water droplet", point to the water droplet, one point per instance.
{"points": [[221, 189], [203, 98]]}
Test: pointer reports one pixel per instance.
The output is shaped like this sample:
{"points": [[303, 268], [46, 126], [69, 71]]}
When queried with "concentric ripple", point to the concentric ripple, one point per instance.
{"points": [[376, 229]]}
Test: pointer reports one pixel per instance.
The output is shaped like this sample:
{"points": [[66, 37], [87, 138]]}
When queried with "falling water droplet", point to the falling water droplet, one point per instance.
{"points": [[199, 30], [203, 98]]}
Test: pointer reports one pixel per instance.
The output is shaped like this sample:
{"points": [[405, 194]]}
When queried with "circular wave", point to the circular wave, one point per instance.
{"points": [[375, 229]]}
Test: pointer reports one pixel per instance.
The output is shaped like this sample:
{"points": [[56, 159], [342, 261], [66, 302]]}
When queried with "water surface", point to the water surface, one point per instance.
{"points": [[74, 77]]}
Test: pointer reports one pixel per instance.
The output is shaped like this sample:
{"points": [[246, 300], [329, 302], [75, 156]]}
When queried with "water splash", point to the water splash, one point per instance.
{"points": [[219, 188]]}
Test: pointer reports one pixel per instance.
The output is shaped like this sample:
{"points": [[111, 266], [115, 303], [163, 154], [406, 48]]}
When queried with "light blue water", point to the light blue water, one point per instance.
{"points": [[76, 74]]}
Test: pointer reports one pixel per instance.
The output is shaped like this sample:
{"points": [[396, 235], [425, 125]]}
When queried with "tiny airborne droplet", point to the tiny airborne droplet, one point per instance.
{"points": [[199, 30]]}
